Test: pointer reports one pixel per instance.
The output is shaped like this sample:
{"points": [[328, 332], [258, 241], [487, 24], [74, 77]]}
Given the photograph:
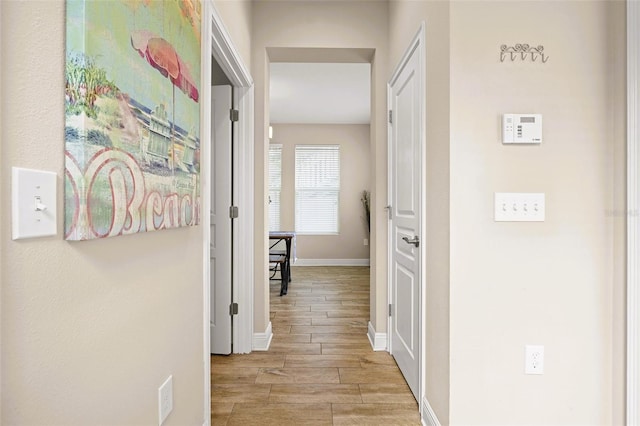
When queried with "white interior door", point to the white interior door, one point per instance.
{"points": [[405, 189], [221, 235]]}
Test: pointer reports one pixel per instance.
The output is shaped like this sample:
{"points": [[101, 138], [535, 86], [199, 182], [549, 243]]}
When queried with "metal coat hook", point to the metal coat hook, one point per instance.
{"points": [[539, 50], [504, 49], [524, 50]]}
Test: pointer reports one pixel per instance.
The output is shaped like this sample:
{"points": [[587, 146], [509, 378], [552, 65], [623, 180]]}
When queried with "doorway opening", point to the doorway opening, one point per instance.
{"points": [[218, 49], [320, 162], [319, 159]]}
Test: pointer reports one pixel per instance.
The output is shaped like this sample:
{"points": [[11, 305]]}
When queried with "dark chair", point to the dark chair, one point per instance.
{"points": [[279, 261]]}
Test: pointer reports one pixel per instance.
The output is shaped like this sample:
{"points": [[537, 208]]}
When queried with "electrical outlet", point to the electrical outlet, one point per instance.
{"points": [[165, 399], [366, 242], [534, 359]]}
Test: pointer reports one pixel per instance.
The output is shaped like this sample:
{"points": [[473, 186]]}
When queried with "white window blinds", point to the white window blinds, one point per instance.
{"points": [[317, 189], [275, 185]]}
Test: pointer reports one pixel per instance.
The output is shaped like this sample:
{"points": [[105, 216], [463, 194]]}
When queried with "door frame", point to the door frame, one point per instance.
{"points": [[633, 207], [217, 43], [418, 45]]}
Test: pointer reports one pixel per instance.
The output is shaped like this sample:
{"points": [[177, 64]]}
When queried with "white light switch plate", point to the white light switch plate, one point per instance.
{"points": [[33, 203], [519, 207]]}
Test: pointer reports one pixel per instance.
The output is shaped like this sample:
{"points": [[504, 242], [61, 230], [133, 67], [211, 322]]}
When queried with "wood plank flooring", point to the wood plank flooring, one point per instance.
{"points": [[320, 368]]}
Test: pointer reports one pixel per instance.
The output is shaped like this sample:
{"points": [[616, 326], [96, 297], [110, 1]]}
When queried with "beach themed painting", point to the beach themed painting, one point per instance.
{"points": [[132, 116]]}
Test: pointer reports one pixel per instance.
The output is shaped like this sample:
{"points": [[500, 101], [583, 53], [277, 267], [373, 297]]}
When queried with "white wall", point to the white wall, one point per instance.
{"points": [[559, 283], [355, 167], [236, 17], [2, 219], [555, 283], [89, 330], [405, 18]]}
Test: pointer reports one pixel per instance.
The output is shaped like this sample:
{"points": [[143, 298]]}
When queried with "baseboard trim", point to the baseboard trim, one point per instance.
{"points": [[261, 341], [378, 340], [331, 262], [429, 417]]}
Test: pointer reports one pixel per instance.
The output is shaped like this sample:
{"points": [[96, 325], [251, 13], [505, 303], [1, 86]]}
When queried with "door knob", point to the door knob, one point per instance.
{"points": [[415, 240]]}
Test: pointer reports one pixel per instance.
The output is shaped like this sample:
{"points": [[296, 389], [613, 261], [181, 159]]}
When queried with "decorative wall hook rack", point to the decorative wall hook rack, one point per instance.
{"points": [[523, 51]]}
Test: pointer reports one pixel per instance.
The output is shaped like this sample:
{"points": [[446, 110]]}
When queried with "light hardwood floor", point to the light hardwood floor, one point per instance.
{"points": [[320, 368]]}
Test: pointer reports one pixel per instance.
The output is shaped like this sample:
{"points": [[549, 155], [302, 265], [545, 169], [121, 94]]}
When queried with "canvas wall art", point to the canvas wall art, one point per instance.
{"points": [[132, 116]]}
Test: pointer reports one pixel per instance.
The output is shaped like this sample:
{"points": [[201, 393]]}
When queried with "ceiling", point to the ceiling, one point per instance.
{"points": [[320, 93]]}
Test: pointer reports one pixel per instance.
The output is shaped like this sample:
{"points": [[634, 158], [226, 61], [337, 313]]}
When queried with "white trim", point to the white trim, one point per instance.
{"points": [[243, 239], [261, 341], [633, 228], [422, 45], [331, 262], [418, 44], [378, 340], [205, 204], [429, 417], [230, 61]]}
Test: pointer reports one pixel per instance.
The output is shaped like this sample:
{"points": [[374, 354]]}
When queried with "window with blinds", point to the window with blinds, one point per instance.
{"points": [[275, 185], [317, 189]]}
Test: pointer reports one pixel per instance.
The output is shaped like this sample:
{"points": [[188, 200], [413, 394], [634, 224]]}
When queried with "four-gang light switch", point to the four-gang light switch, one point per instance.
{"points": [[519, 207]]}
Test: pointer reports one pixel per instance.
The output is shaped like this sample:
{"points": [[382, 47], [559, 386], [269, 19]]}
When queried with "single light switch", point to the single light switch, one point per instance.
{"points": [[33, 200]]}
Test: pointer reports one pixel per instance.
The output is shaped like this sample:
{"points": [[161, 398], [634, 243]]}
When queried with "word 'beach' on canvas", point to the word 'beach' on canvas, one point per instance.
{"points": [[132, 116]]}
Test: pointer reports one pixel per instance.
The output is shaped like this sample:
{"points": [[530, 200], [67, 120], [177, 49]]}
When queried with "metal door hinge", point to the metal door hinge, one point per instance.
{"points": [[388, 211], [390, 116], [233, 212], [235, 115], [389, 309], [233, 309]]}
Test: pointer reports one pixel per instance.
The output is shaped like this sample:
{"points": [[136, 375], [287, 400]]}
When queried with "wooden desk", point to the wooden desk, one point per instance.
{"points": [[289, 238]]}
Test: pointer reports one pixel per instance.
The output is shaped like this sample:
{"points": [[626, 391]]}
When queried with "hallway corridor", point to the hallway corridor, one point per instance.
{"points": [[320, 368]]}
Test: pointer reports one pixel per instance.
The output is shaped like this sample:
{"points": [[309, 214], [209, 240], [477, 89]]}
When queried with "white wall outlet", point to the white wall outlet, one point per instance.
{"points": [[165, 400], [534, 359], [519, 206], [366, 242]]}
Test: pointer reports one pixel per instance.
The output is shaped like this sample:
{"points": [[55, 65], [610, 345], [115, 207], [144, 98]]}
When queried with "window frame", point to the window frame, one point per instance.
{"points": [[275, 147], [334, 148]]}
